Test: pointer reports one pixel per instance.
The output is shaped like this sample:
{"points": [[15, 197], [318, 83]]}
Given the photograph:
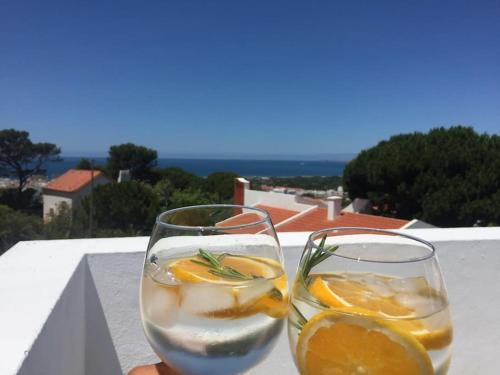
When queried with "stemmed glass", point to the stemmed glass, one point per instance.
{"points": [[214, 293], [368, 301]]}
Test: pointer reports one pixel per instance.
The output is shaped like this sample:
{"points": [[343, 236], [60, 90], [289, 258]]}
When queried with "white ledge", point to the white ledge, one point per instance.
{"points": [[71, 306]]}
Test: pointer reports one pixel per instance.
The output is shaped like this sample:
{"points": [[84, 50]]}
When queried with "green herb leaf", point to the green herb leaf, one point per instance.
{"points": [[216, 268], [315, 257], [201, 263], [301, 319], [209, 257], [276, 294], [312, 258]]}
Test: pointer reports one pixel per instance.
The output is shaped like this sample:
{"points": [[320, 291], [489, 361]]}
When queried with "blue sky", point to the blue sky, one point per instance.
{"points": [[246, 77]]}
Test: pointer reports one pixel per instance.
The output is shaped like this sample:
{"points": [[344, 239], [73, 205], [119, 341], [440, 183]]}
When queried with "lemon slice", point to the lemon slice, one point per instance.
{"points": [[334, 343]]}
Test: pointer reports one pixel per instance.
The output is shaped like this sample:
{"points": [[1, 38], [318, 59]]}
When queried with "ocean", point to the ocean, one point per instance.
{"points": [[247, 168]]}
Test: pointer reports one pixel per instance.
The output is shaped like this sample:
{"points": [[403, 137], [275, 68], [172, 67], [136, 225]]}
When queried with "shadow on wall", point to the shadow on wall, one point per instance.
{"points": [[75, 338], [100, 353]]}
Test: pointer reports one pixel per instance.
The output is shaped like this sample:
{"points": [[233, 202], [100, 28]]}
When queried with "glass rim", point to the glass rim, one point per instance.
{"points": [[432, 253], [161, 223]]}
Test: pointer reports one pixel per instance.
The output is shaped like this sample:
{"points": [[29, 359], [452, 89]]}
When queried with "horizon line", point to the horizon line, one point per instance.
{"points": [[230, 156]]}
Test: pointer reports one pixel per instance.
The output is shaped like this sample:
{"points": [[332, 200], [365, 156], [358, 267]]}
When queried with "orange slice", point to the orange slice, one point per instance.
{"points": [[274, 305], [345, 293], [320, 289], [209, 295], [334, 343], [350, 296], [184, 269], [433, 339]]}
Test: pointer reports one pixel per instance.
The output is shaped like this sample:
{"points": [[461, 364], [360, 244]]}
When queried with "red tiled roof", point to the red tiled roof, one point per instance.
{"points": [[241, 219], [317, 219], [278, 214], [72, 180], [311, 221]]}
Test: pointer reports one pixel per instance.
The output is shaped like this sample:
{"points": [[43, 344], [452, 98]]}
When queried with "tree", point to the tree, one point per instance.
{"points": [[447, 177], [303, 182], [16, 226], [30, 200], [22, 158], [88, 165], [189, 197], [164, 189], [84, 164], [129, 207], [60, 223], [138, 159], [221, 184], [180, 178]]}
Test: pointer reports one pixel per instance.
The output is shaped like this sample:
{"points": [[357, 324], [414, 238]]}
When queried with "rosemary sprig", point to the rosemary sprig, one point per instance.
{"points": [[301, 319], [314, 257], [216, 268], [276, 294]]}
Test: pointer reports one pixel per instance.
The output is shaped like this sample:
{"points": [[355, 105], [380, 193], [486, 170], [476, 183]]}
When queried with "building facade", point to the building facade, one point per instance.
{"points": [[69, 189]]}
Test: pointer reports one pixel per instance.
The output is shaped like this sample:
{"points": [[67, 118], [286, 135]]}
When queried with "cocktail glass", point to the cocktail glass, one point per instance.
{"points": [[214, 293], [368, 301]]}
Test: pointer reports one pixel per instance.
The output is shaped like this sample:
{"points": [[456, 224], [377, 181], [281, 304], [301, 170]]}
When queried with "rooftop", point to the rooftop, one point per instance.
{"points": [[317, 219], [72, 180], [277, 214], [73, 304], [290, 213]]}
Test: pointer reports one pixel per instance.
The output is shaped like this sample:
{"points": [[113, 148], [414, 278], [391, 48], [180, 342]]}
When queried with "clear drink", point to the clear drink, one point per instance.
{"points": [[406, 305], [201, 323], [213, 291], [369, 301]]}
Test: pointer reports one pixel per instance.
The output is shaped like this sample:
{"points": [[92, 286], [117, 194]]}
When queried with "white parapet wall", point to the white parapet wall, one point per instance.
{"points": [[71, 306]]}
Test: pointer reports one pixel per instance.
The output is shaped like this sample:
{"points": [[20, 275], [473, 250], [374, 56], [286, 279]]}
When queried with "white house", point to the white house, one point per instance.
{"points": [[70, 188]]}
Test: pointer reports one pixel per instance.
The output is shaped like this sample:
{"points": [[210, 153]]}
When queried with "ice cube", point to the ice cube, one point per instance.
{"points": [[161, 304], [163, 276], [253, 291], [421, 305], [408, 285], [377, 285], [202, 299], [380, 288]]}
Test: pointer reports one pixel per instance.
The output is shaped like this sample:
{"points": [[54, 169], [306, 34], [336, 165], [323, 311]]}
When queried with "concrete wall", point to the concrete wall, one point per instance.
{"points": [[358, 205], [75, 338], [62, 337], [99, 180], [418, 224], [116, 278], [52, 203], [100, 350], [287, 201], [79, 299]]}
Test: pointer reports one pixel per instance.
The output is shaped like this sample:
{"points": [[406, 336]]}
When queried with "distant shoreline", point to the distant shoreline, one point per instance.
{"points": [[243, 167], [342, 158]]}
